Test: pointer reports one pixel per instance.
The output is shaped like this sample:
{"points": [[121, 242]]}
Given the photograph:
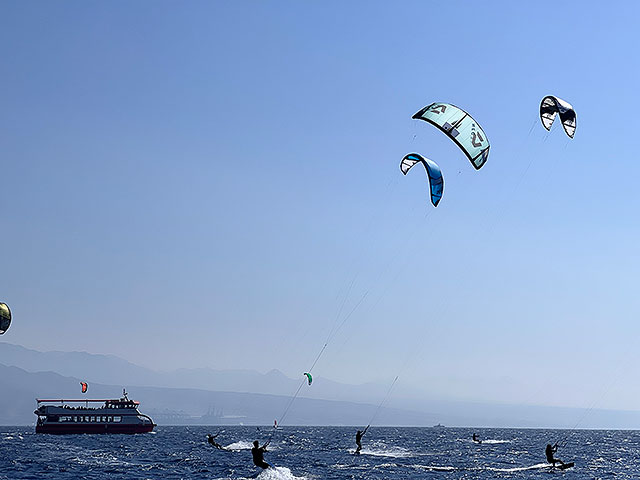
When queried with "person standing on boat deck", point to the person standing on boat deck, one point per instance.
{"points": [[258, 454], [359, 435], [549, 451]]}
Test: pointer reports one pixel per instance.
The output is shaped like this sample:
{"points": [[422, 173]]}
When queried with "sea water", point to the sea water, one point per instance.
{"points": [[318, 453]]}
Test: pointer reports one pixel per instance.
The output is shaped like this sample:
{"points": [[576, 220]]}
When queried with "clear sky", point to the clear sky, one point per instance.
{"points": [[202, 184]]}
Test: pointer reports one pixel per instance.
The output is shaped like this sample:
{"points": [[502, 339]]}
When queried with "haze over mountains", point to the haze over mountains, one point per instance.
{"points": [[222, 397], [183, 396], [112, 370]]}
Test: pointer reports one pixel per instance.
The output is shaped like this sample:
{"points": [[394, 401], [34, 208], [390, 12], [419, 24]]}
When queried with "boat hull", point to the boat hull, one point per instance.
{"points": [[92, 428]]}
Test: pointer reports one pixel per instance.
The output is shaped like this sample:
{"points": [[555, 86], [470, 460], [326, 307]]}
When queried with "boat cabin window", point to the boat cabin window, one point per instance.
{"points": [[109, 419], [117, 419]]}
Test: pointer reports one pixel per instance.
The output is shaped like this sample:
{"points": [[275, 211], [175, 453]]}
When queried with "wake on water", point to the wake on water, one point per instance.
{"points": [[450, 468], [483, 442], [381, 450], [399, 452], [393, 452], [241, 445], [244, 445], [488, 441], [537, 466], [275, 473], [434, 468]]}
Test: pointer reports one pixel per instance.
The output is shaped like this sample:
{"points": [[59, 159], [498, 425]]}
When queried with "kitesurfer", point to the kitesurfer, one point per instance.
{"points": [[549, 451], [211, 440], [258, 454], [476, 439], [359, 435]]}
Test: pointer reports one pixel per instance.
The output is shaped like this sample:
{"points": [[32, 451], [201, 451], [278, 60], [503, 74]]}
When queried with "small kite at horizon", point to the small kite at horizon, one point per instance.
{"points": [[5, 317], [84, 387], [436, 182], [309, 377], [552, 106]]}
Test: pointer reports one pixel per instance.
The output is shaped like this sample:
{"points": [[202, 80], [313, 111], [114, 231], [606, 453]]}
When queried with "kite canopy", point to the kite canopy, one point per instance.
{"points": [[5, 317], [309, 378], [436, 182], [84, 387], [550, 106], [459, 127]]}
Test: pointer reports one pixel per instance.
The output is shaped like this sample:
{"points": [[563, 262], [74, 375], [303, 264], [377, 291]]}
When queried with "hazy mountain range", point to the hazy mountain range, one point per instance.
{"points": [[112, 370], [217, 397]]}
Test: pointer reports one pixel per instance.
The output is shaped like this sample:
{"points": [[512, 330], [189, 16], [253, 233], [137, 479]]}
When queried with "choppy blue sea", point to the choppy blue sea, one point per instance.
{"points": [[318, 453]]}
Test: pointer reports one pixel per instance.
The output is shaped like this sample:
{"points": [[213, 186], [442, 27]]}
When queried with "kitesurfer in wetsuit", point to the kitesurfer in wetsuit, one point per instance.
{"points": [[549, 451], [258, 454], [476, 439], [359, 435], [210, 439]]}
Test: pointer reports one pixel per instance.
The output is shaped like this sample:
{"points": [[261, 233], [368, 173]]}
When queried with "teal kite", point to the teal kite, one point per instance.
{"points": [[436, 182], [460, 127]]}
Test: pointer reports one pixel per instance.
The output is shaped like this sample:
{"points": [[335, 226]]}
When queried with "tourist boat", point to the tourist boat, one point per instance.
{"points": [[76, 416]]}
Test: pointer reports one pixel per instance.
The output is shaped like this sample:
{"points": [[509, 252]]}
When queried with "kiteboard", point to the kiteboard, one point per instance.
{"points": [[564, 466]]}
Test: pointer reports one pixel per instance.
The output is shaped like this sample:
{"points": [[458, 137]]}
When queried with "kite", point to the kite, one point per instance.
{"points": [[5, 317], [550, 107], [309, 378], [436, 182], [460, 127]]}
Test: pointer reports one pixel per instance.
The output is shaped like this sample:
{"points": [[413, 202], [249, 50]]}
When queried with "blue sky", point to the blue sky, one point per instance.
{"points": [[199, 183]]}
